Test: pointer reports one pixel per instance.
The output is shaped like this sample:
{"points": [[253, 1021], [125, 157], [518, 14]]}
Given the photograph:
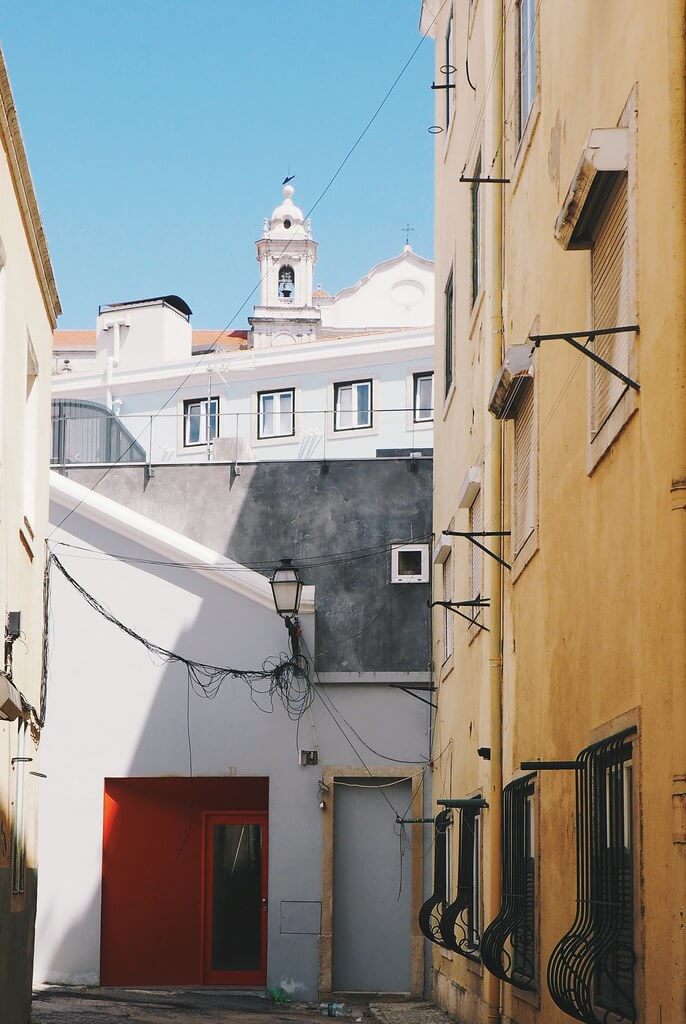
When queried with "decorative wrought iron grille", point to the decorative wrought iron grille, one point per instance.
{"points": [[508, 947], [591, 970], [459, 924], [432, 909]]}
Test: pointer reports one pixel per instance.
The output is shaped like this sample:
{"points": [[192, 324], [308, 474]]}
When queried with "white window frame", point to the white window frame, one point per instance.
{"points": [[355, 386], [416, 410], [276, 394], [202, 402], [527, 63], [422, 576]]}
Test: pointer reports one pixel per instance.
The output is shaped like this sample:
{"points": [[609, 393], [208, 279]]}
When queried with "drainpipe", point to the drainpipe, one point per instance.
{"points": [[494, 142], [112, 360]]}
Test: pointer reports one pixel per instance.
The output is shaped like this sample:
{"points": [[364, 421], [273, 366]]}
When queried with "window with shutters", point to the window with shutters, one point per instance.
{"points": [[447, 614], [448, 334], [524, 484], [612, 302], [476, 524]]}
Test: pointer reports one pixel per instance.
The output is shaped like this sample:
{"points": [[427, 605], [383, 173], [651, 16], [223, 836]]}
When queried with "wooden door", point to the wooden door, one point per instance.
{"points": [[235, 898]]}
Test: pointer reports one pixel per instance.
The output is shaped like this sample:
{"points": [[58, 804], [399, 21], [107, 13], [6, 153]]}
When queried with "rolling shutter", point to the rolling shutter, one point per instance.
{"points": [[476, 524], [611, 302], [524, 470], [448, 615]]}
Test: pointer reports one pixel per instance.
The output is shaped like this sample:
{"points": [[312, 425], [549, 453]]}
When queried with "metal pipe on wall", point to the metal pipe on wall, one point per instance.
{"points": [[494, 131]]}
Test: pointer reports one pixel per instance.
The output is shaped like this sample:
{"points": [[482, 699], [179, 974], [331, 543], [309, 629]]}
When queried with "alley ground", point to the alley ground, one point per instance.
{"points": [[63, 1005]]}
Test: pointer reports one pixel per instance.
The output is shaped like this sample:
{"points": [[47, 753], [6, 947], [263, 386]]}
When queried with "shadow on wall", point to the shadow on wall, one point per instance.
{"points": [[114, 712], [299, 510]]}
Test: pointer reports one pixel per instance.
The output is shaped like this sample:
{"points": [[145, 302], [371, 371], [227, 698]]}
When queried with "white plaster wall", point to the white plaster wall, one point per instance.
{"points": [[113, 711], [237, 386], [397, 293]]}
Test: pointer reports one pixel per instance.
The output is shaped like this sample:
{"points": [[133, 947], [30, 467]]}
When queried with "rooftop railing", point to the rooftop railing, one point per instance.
{"points": [[84, 433]]}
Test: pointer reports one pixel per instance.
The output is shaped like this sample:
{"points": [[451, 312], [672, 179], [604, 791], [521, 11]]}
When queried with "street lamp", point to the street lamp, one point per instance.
{"points": [[287, 589]]}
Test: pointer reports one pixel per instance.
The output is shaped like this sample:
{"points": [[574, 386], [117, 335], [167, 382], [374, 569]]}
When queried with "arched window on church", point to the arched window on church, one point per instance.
{"points": [[286, 283]]}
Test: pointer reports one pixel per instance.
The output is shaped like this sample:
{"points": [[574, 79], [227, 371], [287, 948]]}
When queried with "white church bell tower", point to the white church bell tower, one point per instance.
{"points": [[286, 253]]}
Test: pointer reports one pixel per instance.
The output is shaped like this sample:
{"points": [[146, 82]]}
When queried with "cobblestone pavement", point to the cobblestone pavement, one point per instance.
{"points": [[408, 1013], [66, 1005]]}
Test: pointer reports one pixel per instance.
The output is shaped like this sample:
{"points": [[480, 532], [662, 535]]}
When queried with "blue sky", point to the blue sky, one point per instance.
{"points": [[159, 131]]}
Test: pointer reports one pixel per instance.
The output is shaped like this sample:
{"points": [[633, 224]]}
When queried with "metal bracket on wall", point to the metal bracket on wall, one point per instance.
{"points": [[408, 690], [551, 766], [471, 536], [484, 181], [467, 801], [571, 337], [454, 606], [413, 821]]}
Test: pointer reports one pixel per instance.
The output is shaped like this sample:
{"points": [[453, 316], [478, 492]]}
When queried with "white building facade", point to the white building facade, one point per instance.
{"points": [[316, 377]]}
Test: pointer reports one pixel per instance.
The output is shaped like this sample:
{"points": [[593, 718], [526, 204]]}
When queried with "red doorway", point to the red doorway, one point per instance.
{"points": [[155, 880], [235, 903]]}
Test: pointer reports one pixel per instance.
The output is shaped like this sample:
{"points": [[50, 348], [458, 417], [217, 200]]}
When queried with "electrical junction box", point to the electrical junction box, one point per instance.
{"points": [[308, 757], [10, 701]]}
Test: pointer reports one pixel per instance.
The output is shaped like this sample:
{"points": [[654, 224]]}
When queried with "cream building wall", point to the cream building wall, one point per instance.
{"points": [[591, 635], [29, 306]]}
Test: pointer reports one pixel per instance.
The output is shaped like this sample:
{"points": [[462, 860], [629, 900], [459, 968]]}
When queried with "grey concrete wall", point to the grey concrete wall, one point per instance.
{"points": [[301, 510], [115, 712]]}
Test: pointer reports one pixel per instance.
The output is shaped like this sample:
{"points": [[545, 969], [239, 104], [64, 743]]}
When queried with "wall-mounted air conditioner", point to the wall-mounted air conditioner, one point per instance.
{"points": [[514, 376]]}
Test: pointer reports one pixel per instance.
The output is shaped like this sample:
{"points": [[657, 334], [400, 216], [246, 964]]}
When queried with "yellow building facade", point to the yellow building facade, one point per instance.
{"points": [[29, 306], [560, 734]]}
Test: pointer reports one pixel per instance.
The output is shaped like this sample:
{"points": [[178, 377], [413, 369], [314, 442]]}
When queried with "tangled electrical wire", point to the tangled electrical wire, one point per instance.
{"points": [[285, 678]]}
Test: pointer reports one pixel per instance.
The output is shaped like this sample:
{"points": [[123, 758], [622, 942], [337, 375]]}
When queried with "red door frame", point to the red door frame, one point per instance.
{"points": [[239, 978]]}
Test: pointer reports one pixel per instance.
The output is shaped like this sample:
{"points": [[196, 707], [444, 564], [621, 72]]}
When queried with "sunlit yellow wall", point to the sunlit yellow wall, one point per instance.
{"points": [[594, 622], [28, 307]]}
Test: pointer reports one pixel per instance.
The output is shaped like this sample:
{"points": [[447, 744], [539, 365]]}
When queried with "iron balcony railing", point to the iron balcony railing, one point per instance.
{"points": [[508, 946], [591, 969]]}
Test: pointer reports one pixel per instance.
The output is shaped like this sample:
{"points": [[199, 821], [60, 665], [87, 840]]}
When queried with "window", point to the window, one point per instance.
{"points": [[352, 405], [276, 413], [410, 563], [449, 71], [423, 402], [18, 832], [527, 60], [476, 232], [604, 923], [611, 296], [448, 328], [476, 525], [286, 283], [447, 613], [508, 947], [200, 420], [524, 484], [31, 422]]}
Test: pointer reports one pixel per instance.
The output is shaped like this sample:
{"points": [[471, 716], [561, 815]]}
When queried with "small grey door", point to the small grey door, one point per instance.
{"points": [[371, 925]]}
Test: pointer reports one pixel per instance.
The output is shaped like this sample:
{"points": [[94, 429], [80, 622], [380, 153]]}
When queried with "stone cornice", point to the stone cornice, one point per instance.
{"points": [[26, 196]]}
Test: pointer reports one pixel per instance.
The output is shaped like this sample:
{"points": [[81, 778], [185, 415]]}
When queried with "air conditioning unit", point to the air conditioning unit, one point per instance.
{"points": [[10, 701], [514, 375]]}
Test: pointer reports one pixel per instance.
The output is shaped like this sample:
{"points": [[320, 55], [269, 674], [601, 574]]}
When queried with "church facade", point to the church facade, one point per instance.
{"points": [[314, 376]]}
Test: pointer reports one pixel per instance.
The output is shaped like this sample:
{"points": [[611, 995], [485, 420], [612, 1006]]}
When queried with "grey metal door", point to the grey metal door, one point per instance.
{"points": [[371, 925]]}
